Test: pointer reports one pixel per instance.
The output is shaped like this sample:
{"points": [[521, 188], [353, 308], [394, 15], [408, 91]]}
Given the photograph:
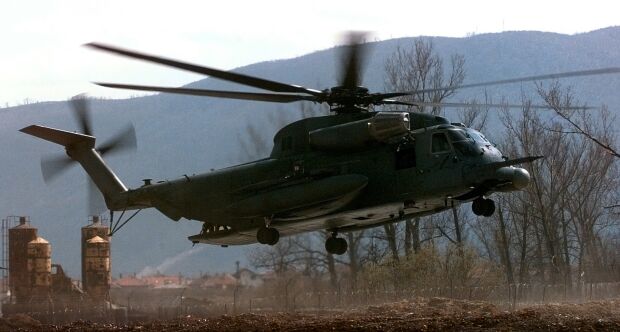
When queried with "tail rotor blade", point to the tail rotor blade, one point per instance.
{"points": [[53, 166], [124, 141], [96, 203], [79, 104]]}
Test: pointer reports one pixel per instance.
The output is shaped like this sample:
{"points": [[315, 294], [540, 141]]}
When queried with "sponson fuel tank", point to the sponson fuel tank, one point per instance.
{"points": [[299, 196], [383, 127]]}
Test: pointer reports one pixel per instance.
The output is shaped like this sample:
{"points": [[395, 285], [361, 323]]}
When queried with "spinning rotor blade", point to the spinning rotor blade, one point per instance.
{"points": [[353, 60], [53, 166], [602, 71], [394, 102], [220, 74], [272, 97], [123, 141], [96, 203], [79, 104], [467, 105]]}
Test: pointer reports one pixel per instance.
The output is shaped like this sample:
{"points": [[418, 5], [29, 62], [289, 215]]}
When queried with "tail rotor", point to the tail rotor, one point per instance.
{"points": [[55, 165]]}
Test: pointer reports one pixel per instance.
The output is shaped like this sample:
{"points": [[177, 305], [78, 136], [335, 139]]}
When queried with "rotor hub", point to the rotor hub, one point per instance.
{"points": [[343, 99]]}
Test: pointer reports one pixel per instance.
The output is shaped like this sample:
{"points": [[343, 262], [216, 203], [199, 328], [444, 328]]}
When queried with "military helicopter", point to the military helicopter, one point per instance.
{"points": [[351, 170]]}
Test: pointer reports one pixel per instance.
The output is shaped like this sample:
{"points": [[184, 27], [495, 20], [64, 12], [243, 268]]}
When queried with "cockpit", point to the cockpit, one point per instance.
{"points": [[465, 141]]}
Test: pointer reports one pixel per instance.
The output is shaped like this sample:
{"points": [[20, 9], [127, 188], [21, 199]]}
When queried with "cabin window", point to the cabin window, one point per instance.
{"points": [[405, 157], [440, 143], [287, 143]]}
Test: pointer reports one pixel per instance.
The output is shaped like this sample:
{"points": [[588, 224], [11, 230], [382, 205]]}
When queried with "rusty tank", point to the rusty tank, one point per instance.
{"points": [[39, 260], [19, 237], [94, 228], [97, 276]]}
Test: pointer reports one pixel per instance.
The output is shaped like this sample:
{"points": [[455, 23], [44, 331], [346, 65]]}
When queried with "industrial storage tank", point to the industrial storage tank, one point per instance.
{"points": [[39, 260], [19, 237], [94, 228], [96, 267]]}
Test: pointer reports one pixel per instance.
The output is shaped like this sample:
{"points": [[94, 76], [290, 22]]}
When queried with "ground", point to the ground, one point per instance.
{"points": [[420, 314]]}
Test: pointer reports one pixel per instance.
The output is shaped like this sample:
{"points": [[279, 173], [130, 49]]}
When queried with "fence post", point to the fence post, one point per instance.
{"points": [[509, 295], [515, 297], [235, 295]]}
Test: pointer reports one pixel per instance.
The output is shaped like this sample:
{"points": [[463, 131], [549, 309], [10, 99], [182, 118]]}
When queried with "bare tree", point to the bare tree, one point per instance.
{"points": [[280, 258], [579, 120], [417, 68], [420, 68], [559, 220]]}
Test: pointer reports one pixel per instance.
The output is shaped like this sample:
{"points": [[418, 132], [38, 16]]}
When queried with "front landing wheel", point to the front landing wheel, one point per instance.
{"points": [[483, 207]]}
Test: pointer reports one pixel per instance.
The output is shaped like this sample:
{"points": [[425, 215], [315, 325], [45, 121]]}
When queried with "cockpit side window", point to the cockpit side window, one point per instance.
{"points": [[440, 143]]}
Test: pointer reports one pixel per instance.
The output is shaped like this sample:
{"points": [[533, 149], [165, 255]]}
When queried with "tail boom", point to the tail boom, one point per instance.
{"points": [[81, 148]]}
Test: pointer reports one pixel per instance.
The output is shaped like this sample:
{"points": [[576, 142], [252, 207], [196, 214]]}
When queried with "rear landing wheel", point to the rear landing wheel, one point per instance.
{"points": [[268, 235], [336, 245], [483, 207], [489, 207]]}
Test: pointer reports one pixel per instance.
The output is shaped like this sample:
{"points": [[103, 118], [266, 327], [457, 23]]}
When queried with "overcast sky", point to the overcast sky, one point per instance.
{"points": [[42, 58]]}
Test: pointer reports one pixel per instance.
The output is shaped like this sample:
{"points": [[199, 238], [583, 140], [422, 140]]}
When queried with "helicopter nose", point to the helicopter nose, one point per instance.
{"points": [[519, 177]]}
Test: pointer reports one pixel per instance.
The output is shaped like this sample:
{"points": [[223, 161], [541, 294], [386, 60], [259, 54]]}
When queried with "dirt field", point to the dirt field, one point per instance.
{"points": [[422, 314]]}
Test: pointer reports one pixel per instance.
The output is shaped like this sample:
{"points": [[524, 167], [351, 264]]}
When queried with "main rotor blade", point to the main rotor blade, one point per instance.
{"points": [[124, 141], [79, 104], [602, 71], [53, 166], [272, 97], [467, 105], [220, 74], [353, 60], [394, 102]]}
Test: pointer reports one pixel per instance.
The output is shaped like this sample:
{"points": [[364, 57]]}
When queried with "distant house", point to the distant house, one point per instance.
{"points": [[218, 281], [154, 281], [248, 278], [129, 281]]}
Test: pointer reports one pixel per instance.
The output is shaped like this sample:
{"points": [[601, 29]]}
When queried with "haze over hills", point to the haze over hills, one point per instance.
{"points": [[184, 135]]}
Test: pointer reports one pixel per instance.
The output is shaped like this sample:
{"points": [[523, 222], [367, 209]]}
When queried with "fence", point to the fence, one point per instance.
{"points": [[508, 297], [504, 296]]}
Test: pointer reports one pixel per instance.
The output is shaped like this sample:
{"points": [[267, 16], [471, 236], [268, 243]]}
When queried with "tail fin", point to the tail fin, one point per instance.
{"points": [[81, 148]]}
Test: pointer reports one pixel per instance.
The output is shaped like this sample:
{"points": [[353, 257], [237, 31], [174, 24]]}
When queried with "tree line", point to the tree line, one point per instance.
{"points": [[562, 228]]}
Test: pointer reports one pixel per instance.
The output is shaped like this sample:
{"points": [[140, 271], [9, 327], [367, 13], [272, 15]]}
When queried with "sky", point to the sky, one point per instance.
{"points": [[42, 58]]}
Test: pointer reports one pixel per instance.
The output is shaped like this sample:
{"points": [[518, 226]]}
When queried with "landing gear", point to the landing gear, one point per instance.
{"points": [[267, 235], [336, 245], [483, 207]]}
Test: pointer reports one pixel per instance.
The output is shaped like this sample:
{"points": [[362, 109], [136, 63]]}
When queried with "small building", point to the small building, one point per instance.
{"points": [[219, 281], [154, 281], [248, 278]]}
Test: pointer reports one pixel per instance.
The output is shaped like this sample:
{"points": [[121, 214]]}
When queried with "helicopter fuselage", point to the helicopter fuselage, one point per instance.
{"points": [[300, 188]]}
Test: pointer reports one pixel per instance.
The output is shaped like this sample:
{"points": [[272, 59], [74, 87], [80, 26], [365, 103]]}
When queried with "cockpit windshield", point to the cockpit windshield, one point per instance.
{"points": [[462, 141], [478, 137], [457, 135]]}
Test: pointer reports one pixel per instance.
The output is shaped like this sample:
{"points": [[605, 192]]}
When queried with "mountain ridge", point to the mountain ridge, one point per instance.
{"points": [[185, 135]]}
